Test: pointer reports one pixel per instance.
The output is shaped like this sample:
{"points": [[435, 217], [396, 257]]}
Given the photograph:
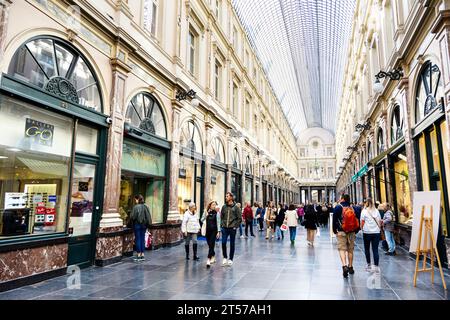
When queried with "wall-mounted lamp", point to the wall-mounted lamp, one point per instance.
{"points": [[183, 95], [397, 74], [349, 149], [361, 127]]}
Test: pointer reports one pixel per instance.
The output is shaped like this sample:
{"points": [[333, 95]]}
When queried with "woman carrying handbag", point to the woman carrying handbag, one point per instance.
{"points": [[371, 227], [210, 229], [141, 219]]}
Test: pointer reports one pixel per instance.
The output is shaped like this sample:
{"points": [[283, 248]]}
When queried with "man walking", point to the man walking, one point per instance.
{"points": [[231, 219], [345, 226]]}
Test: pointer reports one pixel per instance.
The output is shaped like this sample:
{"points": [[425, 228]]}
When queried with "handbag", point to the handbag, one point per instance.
{"points": [[204, 228], [382, 235], [284, 227], [148, 239]]}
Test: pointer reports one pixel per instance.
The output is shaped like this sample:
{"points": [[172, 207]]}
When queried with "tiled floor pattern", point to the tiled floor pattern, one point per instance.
{"points": [[271, 270]]}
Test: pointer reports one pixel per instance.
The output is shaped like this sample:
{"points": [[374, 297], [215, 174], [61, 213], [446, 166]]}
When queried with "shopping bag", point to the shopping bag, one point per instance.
{"points": [[318, 232], [284, 227], [148, 239]]}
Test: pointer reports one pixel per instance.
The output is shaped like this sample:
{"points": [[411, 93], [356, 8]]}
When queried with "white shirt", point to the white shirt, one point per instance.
{"points": [[291, 217], [369, 216]]}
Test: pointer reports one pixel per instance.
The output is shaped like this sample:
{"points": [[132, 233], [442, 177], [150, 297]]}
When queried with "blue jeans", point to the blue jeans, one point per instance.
{"points": [[139, 236], [240, 229], [278, 232], [292, 233], [390, 240], [228, 232], [374, 240]]}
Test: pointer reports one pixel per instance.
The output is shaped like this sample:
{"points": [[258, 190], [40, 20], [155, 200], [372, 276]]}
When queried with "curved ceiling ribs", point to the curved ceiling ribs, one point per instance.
{"points": [[302, 45]]}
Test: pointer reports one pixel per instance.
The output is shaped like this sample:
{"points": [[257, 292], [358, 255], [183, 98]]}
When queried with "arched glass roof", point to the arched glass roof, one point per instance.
{"points": [[302, 45]]}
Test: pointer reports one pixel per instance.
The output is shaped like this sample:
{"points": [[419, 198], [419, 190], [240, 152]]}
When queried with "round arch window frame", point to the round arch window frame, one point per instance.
{"points": [[380, 141], [76, 55], [397, 124], [431, 100], [148, 120]]}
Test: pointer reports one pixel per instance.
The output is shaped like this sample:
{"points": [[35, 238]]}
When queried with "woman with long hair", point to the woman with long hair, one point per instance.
{"points": [[371, 227], [310, 224], [212, 220], [141, 219], [291, 221]]}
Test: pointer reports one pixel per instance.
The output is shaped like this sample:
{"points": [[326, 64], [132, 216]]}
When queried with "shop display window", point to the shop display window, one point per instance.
{"points": [[403, 196], [217, 189], [35, 159], [248, 190]]}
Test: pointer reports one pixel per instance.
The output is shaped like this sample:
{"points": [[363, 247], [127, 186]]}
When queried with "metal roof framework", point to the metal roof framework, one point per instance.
{"points": [[302, 45]]}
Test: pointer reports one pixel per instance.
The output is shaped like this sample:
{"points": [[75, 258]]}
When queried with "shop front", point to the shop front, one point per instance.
{"points": [[218, 173], [431, 144], [192, 169], [52, 160], [248, 189], [236, 177], [145, 159]]}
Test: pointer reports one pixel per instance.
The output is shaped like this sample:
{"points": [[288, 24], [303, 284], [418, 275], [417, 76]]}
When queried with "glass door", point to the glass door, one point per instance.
{"points": [[83, 209]]}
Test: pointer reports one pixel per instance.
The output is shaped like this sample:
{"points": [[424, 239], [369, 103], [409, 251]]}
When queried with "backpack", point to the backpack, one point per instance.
{"points": [[349, 221]]}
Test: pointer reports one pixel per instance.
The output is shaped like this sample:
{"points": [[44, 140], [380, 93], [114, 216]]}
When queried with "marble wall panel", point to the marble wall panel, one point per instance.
{"points": [[23, 263]]}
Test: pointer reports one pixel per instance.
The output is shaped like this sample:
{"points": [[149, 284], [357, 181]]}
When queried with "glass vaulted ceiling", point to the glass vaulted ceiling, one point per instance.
{"points": [[302, 45]]}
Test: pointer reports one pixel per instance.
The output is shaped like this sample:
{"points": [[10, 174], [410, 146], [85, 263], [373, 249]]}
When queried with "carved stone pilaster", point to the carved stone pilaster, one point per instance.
{"points": [[174, 214], [4, 19]]}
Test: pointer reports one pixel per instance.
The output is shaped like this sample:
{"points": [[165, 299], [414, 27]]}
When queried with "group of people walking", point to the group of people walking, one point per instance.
{"points": [[223, 223]]}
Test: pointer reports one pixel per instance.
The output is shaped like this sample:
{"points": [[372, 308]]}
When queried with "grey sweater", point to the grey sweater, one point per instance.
{"points": [[141, 215]]}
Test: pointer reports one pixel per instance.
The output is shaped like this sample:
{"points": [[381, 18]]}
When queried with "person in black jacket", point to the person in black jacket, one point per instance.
{"points": [[231, 218], [310, 223], [141, 220], [212, 220], [281, 213]]}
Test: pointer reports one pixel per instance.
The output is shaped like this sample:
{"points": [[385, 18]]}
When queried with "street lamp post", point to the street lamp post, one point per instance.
{"points": [[396, 74]]}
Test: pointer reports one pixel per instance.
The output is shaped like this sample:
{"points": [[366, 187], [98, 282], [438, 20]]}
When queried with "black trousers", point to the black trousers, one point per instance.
{"points": [[247, 225], [211, 237], [374, 241], [261, 223]]}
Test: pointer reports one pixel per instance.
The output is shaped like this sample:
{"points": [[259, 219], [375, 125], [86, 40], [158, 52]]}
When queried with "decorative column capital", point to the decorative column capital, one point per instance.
{"points": [[120, 66], [176, 105]]}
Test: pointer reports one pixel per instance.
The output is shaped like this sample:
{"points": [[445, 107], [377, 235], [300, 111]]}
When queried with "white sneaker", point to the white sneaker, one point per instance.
{"points": [[376, 269], [208, 263], [242, 237], [368, 267], [230, 263], [224, 262], [213, 260]]}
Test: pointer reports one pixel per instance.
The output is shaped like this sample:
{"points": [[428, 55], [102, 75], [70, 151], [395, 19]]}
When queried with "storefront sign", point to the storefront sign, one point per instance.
{"points": [[138, 158], [360, 173], [39, 132]]}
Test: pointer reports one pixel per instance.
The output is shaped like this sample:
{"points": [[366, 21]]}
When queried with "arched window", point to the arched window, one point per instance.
{"points": [[145, 113], [217, 150], [191, 138], [235, 158], [396, 125], [430, 91], [58, 68], [248, 165], [380, 141], [369, 151]]}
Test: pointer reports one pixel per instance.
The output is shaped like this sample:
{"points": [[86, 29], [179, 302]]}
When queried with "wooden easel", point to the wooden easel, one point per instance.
{"points": [[429, 239]]}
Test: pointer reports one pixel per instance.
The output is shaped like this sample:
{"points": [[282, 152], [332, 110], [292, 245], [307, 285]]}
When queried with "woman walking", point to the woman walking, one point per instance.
{"points": [[260, 216], [371, 227], [388, 226], [190, 228], [141, 219], [291, 221], [279, 221], [212, 220], [248, 218], [270, 219], [310, 224]]}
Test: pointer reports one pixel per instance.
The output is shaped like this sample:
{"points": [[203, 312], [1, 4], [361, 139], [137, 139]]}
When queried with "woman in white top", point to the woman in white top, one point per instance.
{"points": [[190, 228], [371, 228], [291, 221]]}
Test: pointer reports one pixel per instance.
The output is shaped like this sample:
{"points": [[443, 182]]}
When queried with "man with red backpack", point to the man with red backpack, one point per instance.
{"points": [[345, 227]]}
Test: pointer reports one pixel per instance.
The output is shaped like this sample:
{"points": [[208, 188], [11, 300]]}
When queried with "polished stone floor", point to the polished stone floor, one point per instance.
{"points": [[270, 270]]}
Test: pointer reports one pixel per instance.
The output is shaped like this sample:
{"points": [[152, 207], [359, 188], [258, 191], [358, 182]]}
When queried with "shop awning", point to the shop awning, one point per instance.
{"points": [[382, 155]]}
